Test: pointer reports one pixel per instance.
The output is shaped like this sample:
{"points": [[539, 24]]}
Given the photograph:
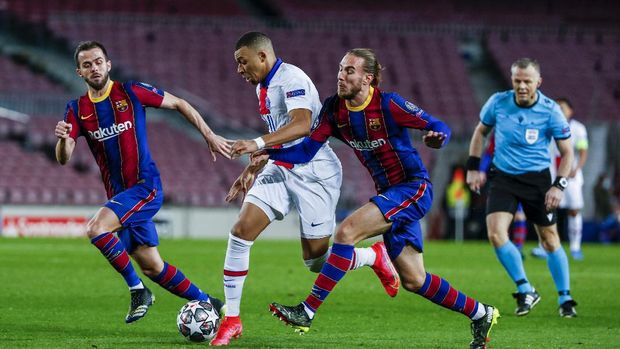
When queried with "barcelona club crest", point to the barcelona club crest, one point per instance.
{"points": [[121, 105], [374, 124]]}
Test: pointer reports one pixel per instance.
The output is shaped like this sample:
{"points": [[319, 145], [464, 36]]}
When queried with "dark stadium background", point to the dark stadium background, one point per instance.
{"points": [[447, 56]]}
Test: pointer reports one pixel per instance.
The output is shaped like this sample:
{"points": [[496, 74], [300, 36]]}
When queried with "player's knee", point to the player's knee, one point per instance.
{"points": [[345, 234], [94, 229], [412, 283], [241, 230]]}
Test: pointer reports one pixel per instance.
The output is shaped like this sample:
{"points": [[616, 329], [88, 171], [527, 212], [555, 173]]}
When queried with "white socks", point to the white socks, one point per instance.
{"points": [[575, 227], [137, 287], [236, 267], [362, 257]]}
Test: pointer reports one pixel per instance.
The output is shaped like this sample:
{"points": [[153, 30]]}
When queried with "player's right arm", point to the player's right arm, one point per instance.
{"points": [[67, 132], [65, 144]]}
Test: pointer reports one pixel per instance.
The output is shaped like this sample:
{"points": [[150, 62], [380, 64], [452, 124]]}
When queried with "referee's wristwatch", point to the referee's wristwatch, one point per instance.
{"points": [[560, 183]]}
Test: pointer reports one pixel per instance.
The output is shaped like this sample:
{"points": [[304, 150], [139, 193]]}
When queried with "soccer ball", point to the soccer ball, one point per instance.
{"points": [[198, 321]]}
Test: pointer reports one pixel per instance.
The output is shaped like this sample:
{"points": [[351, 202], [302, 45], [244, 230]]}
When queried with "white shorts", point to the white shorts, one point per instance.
{"points": [[573, 195], [312, 188]]}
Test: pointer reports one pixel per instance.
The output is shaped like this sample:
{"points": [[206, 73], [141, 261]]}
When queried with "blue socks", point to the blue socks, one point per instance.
{"points": [[558, 266], [509, 256]]}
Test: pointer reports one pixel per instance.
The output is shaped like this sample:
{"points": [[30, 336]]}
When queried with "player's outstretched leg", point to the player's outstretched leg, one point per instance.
{"points": [[175, 281], [385, 270], [295, 316], [375, 257], [481, 328]]}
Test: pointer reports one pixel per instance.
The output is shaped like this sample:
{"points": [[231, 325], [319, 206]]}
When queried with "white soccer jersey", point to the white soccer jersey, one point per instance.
{"points": [[312, 188], [579, 141], [573, 195]]}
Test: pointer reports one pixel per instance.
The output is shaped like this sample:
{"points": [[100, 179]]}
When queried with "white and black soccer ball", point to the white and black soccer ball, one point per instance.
{"points": [[198, 321]]}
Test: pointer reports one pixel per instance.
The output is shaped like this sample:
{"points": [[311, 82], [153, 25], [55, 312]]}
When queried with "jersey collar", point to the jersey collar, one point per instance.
{"points": [[104, 96], [514, 99], [272, 72], [361, 107]]}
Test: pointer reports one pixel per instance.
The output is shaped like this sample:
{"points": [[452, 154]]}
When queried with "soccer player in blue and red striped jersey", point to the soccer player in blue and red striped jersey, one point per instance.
{"points": [[111, 117], [375, 124]]}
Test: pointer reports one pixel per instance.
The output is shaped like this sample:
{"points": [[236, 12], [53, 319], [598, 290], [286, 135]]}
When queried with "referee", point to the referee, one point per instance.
{"points": [[525, 121]]}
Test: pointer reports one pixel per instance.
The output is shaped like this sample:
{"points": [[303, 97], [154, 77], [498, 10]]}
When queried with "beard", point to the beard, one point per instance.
{"points": [[351, 93], [98, 86]]}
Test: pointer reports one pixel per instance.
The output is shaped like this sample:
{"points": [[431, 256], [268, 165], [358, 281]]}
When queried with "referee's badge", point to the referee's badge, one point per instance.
{"points": [[531, 135]]}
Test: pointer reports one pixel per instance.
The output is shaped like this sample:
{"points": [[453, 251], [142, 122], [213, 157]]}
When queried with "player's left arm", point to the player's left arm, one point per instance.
{"points": [[216, 143], [581, 145], [299, 126], [409, 115]]}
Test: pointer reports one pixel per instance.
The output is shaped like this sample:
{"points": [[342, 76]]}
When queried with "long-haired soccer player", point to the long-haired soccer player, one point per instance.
{"points": [[375, 124]]}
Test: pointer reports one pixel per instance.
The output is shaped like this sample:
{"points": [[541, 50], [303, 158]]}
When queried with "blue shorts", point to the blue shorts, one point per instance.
{"points": [[135, 208], [404, 205]]}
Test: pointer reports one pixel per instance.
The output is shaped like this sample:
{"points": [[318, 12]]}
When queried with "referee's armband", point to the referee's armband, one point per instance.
{"points": [[473, 163]]}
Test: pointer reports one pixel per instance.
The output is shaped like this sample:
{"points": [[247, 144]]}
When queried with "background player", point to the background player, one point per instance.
{"points": [[573, 195], [525, 120], [375, 124], [289, 104], [111, 116]]}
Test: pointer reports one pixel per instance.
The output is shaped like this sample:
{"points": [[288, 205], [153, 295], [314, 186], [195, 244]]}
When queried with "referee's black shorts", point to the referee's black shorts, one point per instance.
{"points": [[529, 189]]}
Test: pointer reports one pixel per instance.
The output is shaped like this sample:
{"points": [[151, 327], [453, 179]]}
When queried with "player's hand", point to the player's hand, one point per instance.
{"points": [[474, 181], [259, 159], [553, 197], [241, 147], [241, 185], [219, 144], [434, 139], [63, 130], [483, 178]]}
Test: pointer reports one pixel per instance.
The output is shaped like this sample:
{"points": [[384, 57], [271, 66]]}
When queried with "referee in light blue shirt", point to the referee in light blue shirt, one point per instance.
{"points": [[525, 121]]}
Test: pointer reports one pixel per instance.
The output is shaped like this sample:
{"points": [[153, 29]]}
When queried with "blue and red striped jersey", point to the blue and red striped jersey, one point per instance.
{"points": [[114, 126], [377, 132]]}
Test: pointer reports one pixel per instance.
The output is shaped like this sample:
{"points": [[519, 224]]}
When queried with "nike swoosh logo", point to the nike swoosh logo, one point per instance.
{"points": [[86, 117], [317, 224], [342, 125], [116, 202]]}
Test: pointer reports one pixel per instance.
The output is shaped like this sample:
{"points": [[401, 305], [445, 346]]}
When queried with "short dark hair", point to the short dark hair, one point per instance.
{"points": [[88, 45], [523, 63], [371, 64], [253, 40], [565, 101]]}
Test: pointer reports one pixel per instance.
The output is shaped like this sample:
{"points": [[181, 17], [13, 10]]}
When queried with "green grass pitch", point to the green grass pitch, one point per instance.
{"points": [[60, 293]]}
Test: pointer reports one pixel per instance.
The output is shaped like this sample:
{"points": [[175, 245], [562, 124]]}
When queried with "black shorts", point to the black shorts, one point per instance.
{"points": [[529, 189]]}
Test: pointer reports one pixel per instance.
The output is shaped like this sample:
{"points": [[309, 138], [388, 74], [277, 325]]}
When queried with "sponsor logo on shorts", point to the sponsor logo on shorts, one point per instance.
{"points": [[315, 224]]}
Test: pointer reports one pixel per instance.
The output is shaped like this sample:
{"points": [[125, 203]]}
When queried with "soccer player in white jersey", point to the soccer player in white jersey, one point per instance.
{"points": [[573, 195], [289, 104]]}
